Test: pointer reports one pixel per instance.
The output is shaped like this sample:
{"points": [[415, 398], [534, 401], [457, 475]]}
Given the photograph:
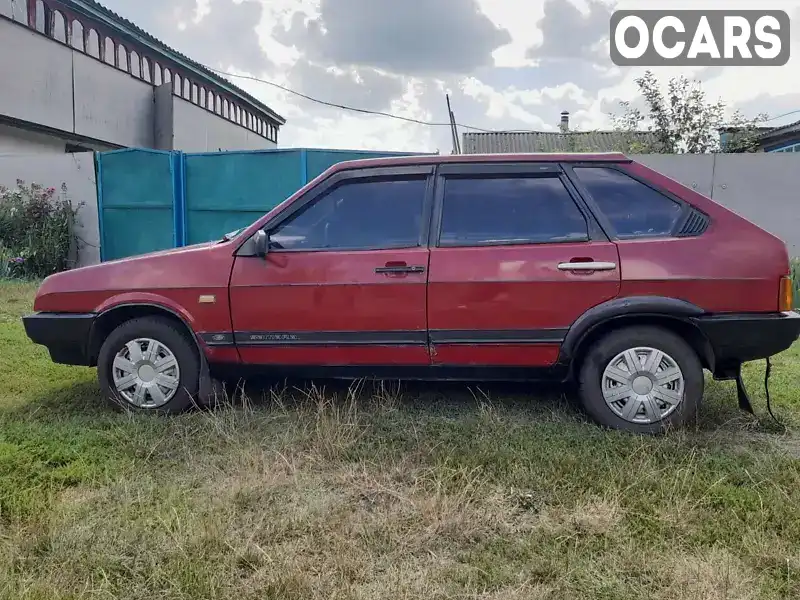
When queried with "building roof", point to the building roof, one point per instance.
{"points": [[98, 12], [764, 137], [782, 130], [731, 129], [548, 141], [766, 132]]}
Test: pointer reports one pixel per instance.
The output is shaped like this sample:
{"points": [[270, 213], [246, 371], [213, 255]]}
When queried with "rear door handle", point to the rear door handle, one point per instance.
{"points": [[587, 266], [400, 269]]}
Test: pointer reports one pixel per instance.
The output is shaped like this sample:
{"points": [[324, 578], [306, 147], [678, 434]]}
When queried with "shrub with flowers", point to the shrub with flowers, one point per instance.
{"points": [[37, 231]]}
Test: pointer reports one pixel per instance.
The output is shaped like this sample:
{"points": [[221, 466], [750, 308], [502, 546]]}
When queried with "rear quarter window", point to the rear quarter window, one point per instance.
{"points": [[633, 208]]}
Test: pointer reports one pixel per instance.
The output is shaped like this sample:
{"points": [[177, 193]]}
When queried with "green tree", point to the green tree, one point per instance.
{"points": [[682, 121]]}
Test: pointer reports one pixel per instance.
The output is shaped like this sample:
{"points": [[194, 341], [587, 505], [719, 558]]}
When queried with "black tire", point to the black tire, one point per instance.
{"points": [[170, 335], [607, 348]]}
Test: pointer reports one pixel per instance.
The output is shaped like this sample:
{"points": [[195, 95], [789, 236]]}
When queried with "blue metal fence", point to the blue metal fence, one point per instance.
{"points": [[151, 200], [136, 207], [228, 191]]}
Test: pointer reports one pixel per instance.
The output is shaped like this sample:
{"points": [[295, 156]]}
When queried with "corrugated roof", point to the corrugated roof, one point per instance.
{"points": [[548, 141], [128, 27]]}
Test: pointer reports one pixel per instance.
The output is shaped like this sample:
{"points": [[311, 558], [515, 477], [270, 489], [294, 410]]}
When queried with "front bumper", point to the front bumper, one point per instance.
{"points": [[738, 338], [65, 335]]}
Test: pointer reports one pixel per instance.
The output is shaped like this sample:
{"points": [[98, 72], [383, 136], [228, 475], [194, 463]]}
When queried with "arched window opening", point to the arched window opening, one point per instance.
{"points": [[136, 65], [59, 27], [77, 36]]}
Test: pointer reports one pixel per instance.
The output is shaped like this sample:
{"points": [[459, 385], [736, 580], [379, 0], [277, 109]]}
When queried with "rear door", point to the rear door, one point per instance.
{"points": [[671, 249], [516, 258], [343, 282]]}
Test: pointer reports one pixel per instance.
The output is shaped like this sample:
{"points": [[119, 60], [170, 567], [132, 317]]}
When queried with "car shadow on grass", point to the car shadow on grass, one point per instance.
{"points": [[439, 395], [77, 399], [719, 415]]}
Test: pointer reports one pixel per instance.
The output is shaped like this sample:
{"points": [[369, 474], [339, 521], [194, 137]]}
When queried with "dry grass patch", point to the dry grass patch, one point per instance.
{"points": [[307, 495], [712, 575], [597, 516]]}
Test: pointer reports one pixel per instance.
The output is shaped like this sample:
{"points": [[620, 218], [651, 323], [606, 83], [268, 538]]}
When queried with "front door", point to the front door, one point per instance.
{"points": [[516, 258], [344, 279]]}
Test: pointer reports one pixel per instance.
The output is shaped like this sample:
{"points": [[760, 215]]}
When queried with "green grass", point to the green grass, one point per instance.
{"points": [[385, 492]]}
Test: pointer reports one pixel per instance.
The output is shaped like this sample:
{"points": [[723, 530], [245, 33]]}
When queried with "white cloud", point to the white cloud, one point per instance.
{"points": [[520, 92], [501, 104], [519, 19]]}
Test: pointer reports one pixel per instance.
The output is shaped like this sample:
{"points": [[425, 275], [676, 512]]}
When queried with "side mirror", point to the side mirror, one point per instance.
{"points": [[261, 242]]}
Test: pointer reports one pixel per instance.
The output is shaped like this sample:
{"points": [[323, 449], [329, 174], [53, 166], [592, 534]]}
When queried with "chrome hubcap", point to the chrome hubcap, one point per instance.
{"points": [[643, 385], [146, 373]]}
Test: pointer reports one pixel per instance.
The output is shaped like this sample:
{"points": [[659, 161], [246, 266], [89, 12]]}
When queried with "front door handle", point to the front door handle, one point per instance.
{"points": [[400, 269], [587, 266]]}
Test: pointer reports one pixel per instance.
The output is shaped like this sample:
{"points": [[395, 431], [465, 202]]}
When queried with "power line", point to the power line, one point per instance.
{"points": [[365, 111], [791, 112]]}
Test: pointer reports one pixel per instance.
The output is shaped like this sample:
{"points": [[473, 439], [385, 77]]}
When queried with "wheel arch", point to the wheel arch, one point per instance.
{"points": [[669, 313], [114, 316]]}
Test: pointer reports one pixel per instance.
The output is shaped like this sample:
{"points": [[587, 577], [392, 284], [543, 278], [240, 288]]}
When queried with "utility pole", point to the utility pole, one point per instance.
{"points": [[453, 127]]}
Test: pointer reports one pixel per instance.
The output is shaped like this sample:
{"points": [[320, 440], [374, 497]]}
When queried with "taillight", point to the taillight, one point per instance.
{"points": [[785, 298]]}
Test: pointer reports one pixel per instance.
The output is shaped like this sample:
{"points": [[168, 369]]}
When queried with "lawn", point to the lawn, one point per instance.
{"points": [[377, 491]]}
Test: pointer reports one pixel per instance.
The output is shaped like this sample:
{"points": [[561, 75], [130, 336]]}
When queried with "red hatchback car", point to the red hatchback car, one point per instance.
{"points": [[582, 267]]}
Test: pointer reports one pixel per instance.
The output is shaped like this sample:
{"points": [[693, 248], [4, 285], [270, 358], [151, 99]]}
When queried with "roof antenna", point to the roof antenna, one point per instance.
{"points": [[453, 127]]}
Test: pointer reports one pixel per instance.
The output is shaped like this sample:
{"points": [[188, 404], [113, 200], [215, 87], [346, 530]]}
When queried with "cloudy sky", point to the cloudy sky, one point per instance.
{"points": [[507, 64]]}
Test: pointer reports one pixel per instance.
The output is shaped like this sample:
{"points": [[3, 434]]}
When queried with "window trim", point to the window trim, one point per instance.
{"points": [[497, 170], [347, 175], [684, 214]]}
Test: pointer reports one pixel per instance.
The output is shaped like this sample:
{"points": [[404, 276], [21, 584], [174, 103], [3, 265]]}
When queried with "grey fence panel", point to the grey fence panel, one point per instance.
{"points": [[695, 171], [763, 188]]}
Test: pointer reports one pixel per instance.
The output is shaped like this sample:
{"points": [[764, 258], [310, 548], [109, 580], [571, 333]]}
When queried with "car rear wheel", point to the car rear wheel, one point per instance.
{"points": [[642, 380], [148, 364]]}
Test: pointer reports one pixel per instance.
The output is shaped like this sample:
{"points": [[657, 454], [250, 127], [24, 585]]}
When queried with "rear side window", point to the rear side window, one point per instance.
{"points": [[509, 210], [634, 209]]}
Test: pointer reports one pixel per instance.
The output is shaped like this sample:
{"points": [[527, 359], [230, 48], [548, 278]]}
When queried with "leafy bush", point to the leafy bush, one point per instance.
{"points": [[37, 231]]}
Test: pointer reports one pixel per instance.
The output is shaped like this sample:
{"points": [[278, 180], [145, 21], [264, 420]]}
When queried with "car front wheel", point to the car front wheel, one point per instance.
{"points": [[148, 364], [642, 380]]}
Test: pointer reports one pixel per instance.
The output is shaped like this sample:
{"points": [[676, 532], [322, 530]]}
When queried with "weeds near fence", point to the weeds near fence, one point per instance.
{"points": [[795, 266], [37, 231]]}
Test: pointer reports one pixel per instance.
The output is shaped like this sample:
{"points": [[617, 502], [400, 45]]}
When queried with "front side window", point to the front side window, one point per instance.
{"points": [[509, 210], [354, 215], [633, 208]]}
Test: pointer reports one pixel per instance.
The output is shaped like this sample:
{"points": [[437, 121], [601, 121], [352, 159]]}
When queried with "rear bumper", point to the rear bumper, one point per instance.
{"points": [[65, 335], [738, 338]]}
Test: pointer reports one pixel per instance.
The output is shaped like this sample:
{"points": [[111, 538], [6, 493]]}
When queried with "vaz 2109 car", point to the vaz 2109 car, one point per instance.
{"points": [[589, 268]]}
